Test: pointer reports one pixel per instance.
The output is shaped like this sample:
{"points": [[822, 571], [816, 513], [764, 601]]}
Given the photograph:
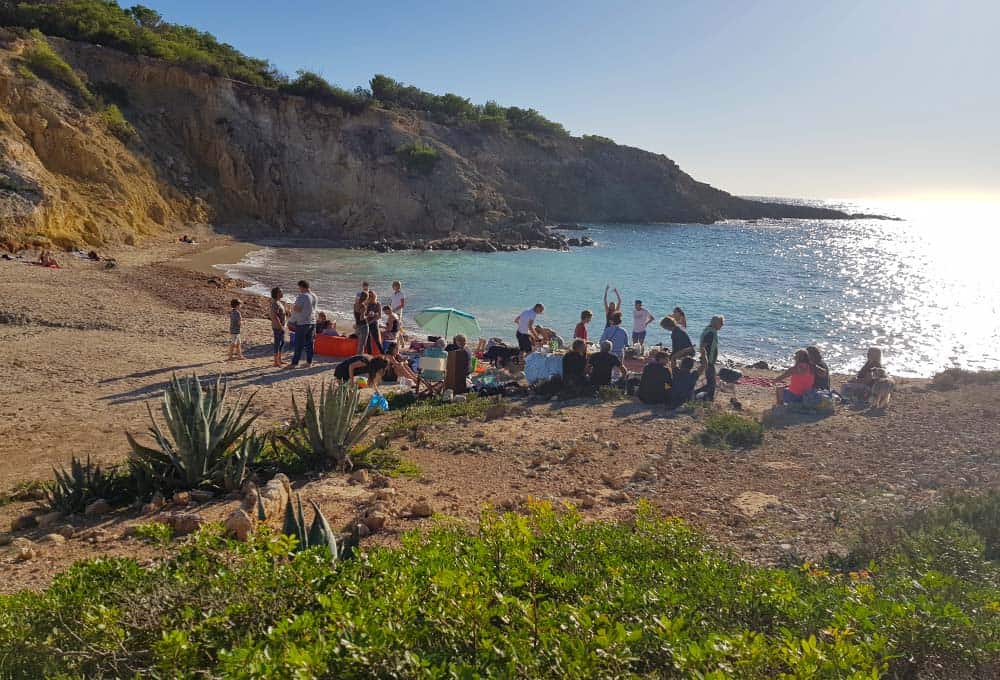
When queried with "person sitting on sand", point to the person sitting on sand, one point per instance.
{"points": [[279, 316], [680, 341], [656, 381], [324, 326], [546, 336], [235, 328], [390, 333], [820, 369], [602, 364], [610, 307], [398, 366], [574, 367], [586, 316], [616, 335], [374, 367], [46, 259], [684, 378], [800, 380], [860, 387]]}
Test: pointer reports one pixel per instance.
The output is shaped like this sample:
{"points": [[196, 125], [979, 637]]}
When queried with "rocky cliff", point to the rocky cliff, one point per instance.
{"points": [[211, 149]]}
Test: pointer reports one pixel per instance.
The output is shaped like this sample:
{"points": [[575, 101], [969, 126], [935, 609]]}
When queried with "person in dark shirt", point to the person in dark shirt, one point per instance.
{"points": [[574, 367], [655, 384], [820, 370], [680, 341], [359, 364], [709, 349], [684, 378], [601, 365]]}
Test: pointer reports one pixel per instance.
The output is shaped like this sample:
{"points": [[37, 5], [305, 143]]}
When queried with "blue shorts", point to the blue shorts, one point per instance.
{"points": [[638, 337], [790, 398]]}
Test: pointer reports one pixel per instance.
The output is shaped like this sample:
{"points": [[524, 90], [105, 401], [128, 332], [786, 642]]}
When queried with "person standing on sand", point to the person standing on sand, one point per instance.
{"points": [[304, 319], [526, 333], [360, 323], [391, 331], [641, 318], [278, 316], [680, 318], [373, 314], [235, 328], [397, 301], [610, 307], [580, 332], [709, 349]]}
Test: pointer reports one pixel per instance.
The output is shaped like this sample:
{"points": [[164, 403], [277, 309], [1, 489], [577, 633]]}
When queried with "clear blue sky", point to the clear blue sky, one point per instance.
{"points": [[844, 98]]}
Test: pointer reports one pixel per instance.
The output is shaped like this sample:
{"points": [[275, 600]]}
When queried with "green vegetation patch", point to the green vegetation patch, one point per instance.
{"points": [[418, 157], [156, 533], [731, 431], [541, 596], [43, 61], [116, 124], [430, 411]]}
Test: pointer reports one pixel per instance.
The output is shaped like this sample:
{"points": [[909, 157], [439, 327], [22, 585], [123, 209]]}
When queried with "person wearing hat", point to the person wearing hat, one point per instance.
{"points": [[641, 318]]}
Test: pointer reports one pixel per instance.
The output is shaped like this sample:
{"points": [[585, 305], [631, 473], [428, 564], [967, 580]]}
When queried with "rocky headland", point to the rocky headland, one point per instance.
{"points": [[255, 162]]}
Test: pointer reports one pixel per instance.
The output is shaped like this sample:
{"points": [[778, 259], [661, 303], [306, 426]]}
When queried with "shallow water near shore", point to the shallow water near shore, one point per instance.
{"points": [[925, 289]]}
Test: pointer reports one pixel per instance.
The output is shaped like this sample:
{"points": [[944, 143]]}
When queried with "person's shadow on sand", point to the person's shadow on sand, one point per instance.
{"points": [[248, 377]]}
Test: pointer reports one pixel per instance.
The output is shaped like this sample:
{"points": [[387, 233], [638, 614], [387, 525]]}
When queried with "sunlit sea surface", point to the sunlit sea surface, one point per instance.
{"points": [[926, 290]]}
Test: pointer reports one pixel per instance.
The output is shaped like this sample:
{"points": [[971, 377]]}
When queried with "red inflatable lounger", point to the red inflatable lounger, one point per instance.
{"points": [[334, 346]]}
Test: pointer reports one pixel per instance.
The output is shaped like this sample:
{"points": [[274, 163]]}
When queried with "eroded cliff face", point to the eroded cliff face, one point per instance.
{"points": [[211, 149]]}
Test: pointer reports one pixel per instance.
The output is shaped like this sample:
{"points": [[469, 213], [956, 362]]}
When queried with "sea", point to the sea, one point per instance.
{"points": [[926, 288]]}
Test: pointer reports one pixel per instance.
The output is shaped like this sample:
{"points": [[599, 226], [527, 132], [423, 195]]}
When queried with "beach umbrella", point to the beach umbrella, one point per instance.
{"points": [[445, 322]]}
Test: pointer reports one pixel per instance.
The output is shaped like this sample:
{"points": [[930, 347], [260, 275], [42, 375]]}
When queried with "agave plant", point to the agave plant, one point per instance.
{"points": [[319, 533], [83, 483], [331, 427], [208, 443]]}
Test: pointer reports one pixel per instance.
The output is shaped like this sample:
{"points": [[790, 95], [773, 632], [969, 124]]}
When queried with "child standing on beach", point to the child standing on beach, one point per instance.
{"points": [[235, 328]]}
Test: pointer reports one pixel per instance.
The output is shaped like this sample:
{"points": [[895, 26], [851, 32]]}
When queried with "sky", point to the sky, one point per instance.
{"points": [[834, 99]]}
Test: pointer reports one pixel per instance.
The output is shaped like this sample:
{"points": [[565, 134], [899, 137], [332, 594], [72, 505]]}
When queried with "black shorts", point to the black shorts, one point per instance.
{"points": [[524, 342]]}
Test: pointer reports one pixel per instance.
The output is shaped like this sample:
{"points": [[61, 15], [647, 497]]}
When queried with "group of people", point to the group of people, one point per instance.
{"points": [[670, 378], [377, 329]]}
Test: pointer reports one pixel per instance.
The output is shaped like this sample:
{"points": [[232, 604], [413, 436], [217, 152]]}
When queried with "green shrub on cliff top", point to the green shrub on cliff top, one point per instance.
{"points": [[542, 596], [314, 86]]}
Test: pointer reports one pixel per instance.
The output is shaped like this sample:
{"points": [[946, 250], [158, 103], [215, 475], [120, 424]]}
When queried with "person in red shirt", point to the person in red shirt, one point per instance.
{"points": [[801, 379], [581, 328]]}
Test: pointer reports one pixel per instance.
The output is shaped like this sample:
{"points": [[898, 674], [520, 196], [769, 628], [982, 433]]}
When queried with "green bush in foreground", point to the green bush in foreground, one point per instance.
{"points": [[731, 431], [543, 596]]}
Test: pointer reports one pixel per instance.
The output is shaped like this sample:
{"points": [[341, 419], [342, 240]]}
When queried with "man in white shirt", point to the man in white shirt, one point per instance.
{"points": [[398, 300], [641, 318], [526, 332]]}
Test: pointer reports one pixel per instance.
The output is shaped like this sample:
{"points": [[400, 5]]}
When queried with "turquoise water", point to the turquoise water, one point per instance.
{"points": [[925, 289]]}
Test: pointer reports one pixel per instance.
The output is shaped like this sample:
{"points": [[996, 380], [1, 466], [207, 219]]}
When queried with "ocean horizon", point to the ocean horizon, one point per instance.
{"points": [[923, 288]]}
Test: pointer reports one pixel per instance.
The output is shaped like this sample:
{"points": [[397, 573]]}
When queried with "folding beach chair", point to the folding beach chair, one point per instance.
{"points": [[431, 371]]}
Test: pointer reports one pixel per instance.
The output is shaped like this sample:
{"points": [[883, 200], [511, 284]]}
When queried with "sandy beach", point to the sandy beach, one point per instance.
{"points": [[88, 347]]}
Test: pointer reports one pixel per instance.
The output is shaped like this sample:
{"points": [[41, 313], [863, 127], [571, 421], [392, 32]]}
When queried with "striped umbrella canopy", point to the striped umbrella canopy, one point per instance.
{"points": [[446, 322]]}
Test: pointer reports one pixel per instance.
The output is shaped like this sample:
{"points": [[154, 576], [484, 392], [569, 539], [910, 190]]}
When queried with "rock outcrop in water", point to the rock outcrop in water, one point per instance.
{"points": [[209, 149]]}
